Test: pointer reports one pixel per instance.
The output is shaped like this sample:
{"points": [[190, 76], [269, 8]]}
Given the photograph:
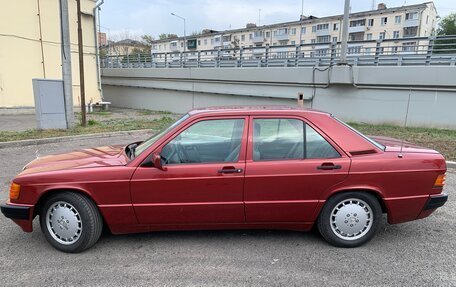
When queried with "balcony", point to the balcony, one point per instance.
{"points": [[411, 23], [322, 32], [356, 29], [258, 39], [282, 37], [410, 32]]}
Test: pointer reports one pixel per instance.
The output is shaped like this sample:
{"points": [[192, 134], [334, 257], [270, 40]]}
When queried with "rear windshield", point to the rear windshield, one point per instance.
{"points": [[378, 145]]}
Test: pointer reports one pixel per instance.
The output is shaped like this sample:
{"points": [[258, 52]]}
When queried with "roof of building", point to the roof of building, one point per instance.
{"points": [[308, 20]]}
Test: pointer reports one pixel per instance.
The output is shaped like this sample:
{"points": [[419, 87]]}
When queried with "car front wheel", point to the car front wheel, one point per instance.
{"points": [[350, 219], [70, 222]]}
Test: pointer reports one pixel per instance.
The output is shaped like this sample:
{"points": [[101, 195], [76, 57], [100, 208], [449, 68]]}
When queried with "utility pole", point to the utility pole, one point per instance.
{"points": [[343, 48], [66, 63], [81, 66]]}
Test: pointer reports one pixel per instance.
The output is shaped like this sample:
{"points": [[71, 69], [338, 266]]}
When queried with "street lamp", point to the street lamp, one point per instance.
{"points": [[185, 36]]}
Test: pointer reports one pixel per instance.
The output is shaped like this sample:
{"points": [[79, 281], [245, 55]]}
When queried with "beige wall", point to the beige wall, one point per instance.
{"points": [[22, 54]]}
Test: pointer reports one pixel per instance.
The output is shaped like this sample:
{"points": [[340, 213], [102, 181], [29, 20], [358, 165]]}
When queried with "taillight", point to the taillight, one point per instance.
{"points": [[440, 180], [15, 190]]}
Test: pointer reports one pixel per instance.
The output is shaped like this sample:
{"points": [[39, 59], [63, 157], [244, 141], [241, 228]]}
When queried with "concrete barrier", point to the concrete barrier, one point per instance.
{"points": [[362, 94]]}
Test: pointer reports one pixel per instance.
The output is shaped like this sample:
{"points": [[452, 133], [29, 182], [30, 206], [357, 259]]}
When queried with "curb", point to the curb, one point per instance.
{"points": [[21, 143], [451, 164]]}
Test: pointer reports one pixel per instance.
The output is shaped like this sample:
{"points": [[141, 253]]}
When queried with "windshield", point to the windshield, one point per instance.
{"points": [[147, 143], [378, 145]]}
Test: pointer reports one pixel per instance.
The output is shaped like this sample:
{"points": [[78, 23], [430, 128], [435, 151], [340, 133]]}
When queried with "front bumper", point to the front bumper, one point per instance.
{"points": [[435, 201], [16, 211]]}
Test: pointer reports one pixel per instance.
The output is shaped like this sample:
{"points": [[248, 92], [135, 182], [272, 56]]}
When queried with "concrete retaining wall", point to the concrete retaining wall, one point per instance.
{"points": [[361, 94]]}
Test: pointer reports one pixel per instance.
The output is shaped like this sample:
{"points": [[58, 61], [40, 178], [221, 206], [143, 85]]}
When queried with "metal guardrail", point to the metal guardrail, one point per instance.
{"points": [[416, 51]]}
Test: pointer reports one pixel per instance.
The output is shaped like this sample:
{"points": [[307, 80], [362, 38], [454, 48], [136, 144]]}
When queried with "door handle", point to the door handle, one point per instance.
{"points": [[328, 166], [230, 169]]}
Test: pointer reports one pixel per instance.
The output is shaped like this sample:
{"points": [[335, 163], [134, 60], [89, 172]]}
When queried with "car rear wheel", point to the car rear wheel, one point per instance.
{"points": [[70, 222], [350, 219]]}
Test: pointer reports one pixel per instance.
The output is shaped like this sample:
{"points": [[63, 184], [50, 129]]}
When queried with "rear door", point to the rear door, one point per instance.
{"points": [[289, 164]]}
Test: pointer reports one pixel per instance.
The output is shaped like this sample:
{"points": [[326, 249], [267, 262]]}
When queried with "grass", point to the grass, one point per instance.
{"points": [[149, 112], [91, 128], [442, 140]]}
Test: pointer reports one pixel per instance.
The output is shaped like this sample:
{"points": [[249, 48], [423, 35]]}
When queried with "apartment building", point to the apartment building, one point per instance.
{"points": [[383, 23]]}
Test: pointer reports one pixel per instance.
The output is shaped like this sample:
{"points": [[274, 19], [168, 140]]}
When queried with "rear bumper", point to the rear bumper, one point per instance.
{"points": [[435, 201]]}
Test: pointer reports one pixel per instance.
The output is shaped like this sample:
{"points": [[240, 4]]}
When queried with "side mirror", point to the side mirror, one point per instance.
{"points": [[156, 159]]}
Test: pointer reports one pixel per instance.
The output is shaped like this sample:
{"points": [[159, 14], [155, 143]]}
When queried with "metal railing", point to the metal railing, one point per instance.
{"points": [[388, 52]]}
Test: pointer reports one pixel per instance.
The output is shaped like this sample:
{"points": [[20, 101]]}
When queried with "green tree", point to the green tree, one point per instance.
{"points": [[166, 36], [447, 27], [147, 39]]}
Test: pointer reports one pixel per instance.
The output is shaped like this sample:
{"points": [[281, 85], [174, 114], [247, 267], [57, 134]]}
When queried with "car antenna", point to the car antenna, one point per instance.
{"points": [[400, 155]]}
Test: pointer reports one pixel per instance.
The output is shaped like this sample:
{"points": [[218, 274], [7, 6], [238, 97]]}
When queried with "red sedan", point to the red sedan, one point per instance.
{"points": [[231, 168]]}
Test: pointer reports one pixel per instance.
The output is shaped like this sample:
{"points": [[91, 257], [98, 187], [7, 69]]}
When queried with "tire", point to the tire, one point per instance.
{"points": [[350, 219], [70, 222]]}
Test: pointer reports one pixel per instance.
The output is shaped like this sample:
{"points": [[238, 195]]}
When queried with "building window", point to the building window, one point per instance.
{"points": [[268, 34], [212, 41], [250, 36], [303, 30], [334, 39], [370, 22], [381, 35], [410, 31], [409, 47], [293, 42], [369, 36], [358, 23], [303, 41], [427, 19], [314, 29], [396, 34], [199, 42], [293, 31], [397, 19], [312, 41], [354, 50], [359, 36], [384, 21], [322, 27], [367, 51], [323, 39], [336, 26], [258, 34], [283, 31], [182, 44], [205, 42], [411, 16], [242, 37], [274, 44]]}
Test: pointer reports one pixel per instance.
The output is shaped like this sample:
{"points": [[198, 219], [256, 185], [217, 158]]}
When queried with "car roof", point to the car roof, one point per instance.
{"points": [[254, 109]]}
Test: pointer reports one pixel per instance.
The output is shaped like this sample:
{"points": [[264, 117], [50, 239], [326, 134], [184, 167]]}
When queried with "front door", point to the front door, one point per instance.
{"points": [[204, 176], [289, 165]]}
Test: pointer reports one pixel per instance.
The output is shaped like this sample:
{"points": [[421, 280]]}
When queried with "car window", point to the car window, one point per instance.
{"points": [[276, 139], [206, 141]]}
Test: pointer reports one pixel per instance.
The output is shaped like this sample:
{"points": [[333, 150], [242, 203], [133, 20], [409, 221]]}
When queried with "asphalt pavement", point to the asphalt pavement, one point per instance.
{"points": [[419, 253]]}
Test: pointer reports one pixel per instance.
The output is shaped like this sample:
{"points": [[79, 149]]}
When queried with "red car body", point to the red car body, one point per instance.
{"points": [[279, 194]]}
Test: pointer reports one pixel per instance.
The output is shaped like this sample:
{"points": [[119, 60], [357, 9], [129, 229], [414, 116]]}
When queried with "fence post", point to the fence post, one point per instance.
{"points": [[117, 62], [266, 56], [333, 53], [198, 60], [241, 54], [181, 59], [429, 50], [166, 60], [217, 63], [297, 50], [377, 52], [139, 60], [128, 61]]}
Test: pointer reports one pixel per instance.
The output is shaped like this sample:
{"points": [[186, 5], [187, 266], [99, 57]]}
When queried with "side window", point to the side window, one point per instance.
{"points": [[206, 142], [276, 139]]}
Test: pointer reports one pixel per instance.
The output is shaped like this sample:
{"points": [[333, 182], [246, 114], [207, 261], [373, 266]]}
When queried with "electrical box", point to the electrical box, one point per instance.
{"points": [[49, 104]]}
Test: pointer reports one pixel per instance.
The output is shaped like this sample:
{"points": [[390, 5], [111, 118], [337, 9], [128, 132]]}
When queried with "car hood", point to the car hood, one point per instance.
{"points": [[394, 145], [86, 158]]}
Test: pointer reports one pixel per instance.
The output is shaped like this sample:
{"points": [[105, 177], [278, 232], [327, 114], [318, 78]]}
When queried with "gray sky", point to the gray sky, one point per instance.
{"points": [[153, 17]]}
